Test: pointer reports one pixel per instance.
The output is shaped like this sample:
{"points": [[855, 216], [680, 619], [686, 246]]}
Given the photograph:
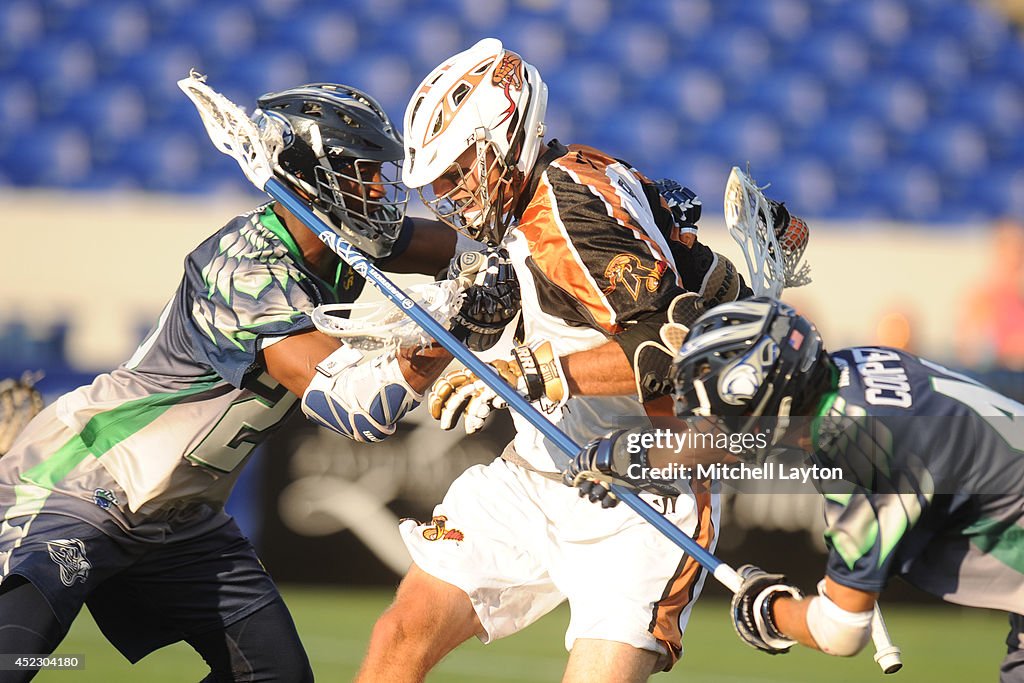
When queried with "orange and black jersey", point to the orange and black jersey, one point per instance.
{"points": [[604, 251]]}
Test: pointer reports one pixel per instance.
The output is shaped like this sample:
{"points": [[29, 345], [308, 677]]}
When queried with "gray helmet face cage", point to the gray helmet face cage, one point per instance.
{"points": [[487, 206], [342, 152], [365, 201]]}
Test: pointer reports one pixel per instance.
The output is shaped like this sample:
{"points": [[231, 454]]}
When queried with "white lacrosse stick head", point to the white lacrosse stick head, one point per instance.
{"points": [[371, 326], [255, 148], [748, 216]]}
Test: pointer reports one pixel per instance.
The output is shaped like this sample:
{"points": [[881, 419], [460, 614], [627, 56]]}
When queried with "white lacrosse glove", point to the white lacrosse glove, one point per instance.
{"points": [[535, 372]]}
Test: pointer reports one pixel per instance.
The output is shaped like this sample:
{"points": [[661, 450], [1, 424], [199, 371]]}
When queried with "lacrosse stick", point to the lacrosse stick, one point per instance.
{"points": [[374, 326], [234, 134], [20, 401], [772, 265]]}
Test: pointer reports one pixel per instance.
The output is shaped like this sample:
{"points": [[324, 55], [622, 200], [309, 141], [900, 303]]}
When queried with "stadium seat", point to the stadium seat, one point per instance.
{"points": [[808, 182], [900, 103], [115, 29], [109, 111], [19, 103], [743, 137], [995, 104], [243, 79], [840, 56], [850, 143], [21, 25], [929, 59], [326, 39], [906, 192], [53, 155], [955, 148], [798, 98], [884, 23]]}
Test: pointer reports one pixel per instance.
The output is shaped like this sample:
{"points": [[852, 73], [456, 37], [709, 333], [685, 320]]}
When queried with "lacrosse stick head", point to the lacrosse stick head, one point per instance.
{"points": [[255, 148], [382, 325], [342, 152], [773, 260], [20, 401]]}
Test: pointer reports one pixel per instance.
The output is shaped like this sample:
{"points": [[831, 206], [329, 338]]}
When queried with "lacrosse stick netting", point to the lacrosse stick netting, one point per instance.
{"points": [[233, 132], [382, 325], [748, 216]]}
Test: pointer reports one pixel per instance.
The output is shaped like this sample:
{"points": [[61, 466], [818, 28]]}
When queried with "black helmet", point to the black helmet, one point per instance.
{"points": [[336, 141], [751, 358]]}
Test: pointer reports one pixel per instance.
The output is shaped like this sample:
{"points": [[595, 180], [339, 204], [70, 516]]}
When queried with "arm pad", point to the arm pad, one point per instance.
{"points": [[836, 631], [362, 402]]}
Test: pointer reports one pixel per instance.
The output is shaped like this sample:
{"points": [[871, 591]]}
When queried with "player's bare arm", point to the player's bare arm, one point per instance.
{"points": [[430, 248]]}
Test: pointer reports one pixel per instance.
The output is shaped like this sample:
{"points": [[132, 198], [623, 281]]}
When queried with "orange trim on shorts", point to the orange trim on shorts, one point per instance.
{"points": [[679, 591]]}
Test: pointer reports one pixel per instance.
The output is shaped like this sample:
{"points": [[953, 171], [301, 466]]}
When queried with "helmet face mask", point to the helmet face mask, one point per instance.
{"points": [[342, 154], [474, 195], [748, 366], [474, 129]]}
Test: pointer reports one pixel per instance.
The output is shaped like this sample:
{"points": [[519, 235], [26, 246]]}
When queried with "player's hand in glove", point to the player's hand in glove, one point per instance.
{"points": [[491, 296], [534, 371], [682, 203], [752, 609], [610, 460]]}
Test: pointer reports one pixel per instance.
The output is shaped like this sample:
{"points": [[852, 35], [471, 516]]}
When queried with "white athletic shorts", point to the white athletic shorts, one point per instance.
{"points": [[519, 544]]}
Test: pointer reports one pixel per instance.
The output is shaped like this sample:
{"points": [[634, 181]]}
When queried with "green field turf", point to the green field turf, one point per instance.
{"points": [[940, 644]]}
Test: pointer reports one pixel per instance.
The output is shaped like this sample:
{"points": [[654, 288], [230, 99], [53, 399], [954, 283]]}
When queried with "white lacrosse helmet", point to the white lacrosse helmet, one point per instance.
{"points": [[487, 99]]}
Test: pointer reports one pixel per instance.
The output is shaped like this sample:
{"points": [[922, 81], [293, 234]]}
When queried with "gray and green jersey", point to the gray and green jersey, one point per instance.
{"points": [[938, 463], [177, 421]]}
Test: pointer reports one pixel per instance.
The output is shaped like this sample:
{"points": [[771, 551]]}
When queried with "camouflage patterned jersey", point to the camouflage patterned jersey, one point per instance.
{"points": [[178, 420], [939, 463]]}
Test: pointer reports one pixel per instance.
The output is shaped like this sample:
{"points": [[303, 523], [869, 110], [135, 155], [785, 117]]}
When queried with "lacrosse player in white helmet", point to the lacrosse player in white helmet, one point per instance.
{"points": [[603, 260]]}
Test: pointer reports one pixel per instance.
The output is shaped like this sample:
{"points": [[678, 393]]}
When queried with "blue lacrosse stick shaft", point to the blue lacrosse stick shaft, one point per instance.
{"points": [[482, 370]]}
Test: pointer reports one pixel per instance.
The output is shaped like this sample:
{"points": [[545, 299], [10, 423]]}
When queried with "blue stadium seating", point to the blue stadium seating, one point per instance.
{"points": [[891, 98]]}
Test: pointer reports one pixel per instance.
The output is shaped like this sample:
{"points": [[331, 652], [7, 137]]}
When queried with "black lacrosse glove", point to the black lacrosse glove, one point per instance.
{"points": [[752, 609], [682, 203], [607, 461], [492, 296]]}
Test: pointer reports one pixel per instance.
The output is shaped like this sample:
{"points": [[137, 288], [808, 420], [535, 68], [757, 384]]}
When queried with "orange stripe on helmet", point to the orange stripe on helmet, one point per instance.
{"points": [[470, 78]]}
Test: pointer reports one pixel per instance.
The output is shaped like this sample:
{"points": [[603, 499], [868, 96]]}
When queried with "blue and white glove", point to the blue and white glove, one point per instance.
{"points": [[682, 202]]}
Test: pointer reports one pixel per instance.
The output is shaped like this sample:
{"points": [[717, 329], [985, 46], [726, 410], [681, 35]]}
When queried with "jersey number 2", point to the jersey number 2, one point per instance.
{"points": [[242, 426]]}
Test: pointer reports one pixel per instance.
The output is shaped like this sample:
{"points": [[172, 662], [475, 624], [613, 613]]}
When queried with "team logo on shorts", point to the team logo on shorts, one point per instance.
{"points": [[626, 269], [104, 498], [440, 532], [69, 554]]}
